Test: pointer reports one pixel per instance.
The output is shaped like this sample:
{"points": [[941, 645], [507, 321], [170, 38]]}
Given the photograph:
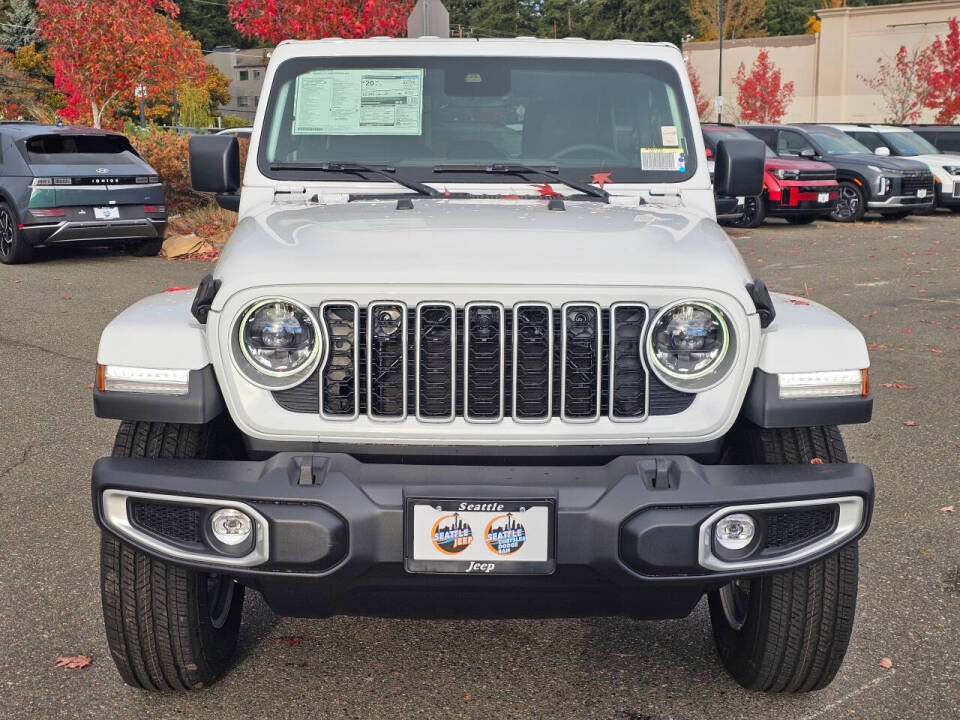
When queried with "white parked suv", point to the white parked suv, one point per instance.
{"points": [[904, 142], [479, 347]]}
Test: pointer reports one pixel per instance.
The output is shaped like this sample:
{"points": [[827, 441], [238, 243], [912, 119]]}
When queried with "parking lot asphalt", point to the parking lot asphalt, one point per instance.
{"points": [[898, 281]]}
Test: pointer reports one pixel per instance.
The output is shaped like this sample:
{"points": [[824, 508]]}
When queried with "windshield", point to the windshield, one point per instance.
{"points": [[837, 143], [909, 143], [580, 116]]}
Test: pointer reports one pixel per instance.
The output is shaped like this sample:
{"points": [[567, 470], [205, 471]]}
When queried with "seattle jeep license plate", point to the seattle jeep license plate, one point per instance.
{"points": [[479, 537]]}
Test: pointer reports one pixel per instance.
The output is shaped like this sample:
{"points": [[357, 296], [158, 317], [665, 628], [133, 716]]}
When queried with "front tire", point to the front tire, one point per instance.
{"points": [[754, 212], [787, 632], [168, 628], [13, 246], [851, 205]]}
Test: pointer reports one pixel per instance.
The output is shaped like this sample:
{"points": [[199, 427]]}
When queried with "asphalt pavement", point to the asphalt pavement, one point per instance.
{"points": [[898, 281]]}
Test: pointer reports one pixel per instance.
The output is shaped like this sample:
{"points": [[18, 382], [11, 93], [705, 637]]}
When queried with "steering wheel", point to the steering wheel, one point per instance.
{"points": [[609, 152]]}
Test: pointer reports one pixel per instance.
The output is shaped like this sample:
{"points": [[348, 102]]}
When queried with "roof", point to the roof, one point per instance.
{"points": [[24, 129]]}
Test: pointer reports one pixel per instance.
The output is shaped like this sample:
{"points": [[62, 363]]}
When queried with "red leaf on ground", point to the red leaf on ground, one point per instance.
{"points": [[947, 509], [907, 331], [897, 384], [73, 662], [936, 351], [288, 640], [886, 663], [876, 346], [911, 423]]}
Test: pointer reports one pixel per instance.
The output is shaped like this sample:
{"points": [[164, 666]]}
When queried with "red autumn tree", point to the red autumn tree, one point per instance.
{"points": [[271, 21], [944, 75], [698, 98], [101, 50], [903, 84], [761, 96]]}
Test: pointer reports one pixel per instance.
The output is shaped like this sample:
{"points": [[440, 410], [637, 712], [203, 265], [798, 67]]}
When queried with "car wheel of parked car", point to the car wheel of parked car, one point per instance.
{"points": [[168, 628], [801, 219], [851, 206], [754, 212], [787, 632], [146, 248], [13, 247]]}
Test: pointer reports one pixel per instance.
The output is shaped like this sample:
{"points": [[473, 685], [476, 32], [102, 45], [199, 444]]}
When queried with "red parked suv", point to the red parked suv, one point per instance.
{"points": [[793, 188]]}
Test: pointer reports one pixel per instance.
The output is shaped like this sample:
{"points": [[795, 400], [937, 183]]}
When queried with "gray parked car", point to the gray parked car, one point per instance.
{"points": [[70, 184]]}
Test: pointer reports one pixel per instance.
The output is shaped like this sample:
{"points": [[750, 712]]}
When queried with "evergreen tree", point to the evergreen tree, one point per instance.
{"points": [[210, 25], [19, 25]]}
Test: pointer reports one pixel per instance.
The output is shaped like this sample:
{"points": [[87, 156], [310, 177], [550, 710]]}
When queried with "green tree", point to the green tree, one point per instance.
{"points": [[210, 25], [19, 25]]}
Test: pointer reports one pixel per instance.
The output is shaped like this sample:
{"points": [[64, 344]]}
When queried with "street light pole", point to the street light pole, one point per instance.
{"points": [[720, 65]]}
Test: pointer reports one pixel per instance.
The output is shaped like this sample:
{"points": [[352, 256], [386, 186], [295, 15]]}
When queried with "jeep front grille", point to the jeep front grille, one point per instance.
{"points": [[483, 362]]}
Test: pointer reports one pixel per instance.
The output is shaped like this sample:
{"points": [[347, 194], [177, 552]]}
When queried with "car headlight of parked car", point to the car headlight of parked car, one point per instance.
{"points": [[278, 343], [691, 345], [786, 174], [952, 169]]}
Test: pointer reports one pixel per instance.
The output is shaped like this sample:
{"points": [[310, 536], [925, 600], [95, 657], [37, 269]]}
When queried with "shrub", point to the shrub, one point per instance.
{"points": [[169, 154]]}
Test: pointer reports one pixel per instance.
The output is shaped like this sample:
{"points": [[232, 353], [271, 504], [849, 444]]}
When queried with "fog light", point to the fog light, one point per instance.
{"points": [[734, 532], [230, 526]]}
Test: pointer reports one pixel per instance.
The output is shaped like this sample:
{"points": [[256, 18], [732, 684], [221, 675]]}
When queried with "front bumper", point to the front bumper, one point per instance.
{"points": [[903, 202], [949, 198], [93, 231], [629, 534]]}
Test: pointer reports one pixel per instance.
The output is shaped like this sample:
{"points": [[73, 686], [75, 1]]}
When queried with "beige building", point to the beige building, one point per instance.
{"points": [[245, 70], [826, 68]]}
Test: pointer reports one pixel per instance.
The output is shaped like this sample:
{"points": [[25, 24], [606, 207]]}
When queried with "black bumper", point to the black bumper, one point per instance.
{"points": [[627, 533], [93, 231], [947, 200]]}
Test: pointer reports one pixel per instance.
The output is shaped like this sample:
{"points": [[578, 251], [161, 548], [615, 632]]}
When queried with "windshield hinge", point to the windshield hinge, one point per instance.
{"points": [[664, 195], [289, 193]]}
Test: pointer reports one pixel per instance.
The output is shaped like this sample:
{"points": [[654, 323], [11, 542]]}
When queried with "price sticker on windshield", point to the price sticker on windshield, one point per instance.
{"points": [[670, 159]]}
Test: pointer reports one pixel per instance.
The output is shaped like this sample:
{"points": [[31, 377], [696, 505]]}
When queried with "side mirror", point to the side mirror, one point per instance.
{"points": [[807, 153], [215, 163], [882, 150], [739, 167]]}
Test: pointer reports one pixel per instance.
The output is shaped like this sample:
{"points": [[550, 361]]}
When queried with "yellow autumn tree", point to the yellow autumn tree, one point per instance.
{"points": [[741, 18]]}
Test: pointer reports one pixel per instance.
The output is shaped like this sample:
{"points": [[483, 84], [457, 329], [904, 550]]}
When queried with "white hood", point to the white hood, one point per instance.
{"points": [[478, 242]]}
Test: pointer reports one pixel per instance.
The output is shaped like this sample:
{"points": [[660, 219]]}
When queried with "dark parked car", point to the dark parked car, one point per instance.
{"points": [[69, 185], [946, 138], [891, 186], [795, 189]]}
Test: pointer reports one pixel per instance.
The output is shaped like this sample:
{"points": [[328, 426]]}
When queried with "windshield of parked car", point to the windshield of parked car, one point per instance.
{"points": [[909, 143], [837, 143], [580, 116]]}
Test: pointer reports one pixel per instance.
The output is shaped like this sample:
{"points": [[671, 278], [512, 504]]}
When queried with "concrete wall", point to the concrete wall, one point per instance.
{"points": [[825, 68]]}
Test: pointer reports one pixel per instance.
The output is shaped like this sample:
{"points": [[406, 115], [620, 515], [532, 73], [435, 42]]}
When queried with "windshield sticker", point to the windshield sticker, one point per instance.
{"points": [[381, 101], [670, 159], [669, 136]]}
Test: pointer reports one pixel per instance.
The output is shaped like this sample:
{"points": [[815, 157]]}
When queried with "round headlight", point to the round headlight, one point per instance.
{"points": [[279, 338], [689, 341]]}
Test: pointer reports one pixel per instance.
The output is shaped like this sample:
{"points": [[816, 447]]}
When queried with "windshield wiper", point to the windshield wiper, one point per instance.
{"points": [[384, 171], [521, 170]]}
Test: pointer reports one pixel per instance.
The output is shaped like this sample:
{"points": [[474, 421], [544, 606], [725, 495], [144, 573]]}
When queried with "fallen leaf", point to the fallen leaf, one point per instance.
{"points": [[288, 640], [73, 662], [907, 331], [817, 461], [936, 351], [911, 423], [947, 509], [886, 663], [466, 697], [876, 346], [89, 386], [898, 385]]}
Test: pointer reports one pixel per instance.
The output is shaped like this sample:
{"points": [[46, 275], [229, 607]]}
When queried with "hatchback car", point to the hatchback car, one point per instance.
{"points": [[904, 142], [798, 190], [891, 186], [62, 185]]}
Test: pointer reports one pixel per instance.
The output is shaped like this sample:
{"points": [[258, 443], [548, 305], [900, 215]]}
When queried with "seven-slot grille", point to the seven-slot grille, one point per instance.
{"points": [[483, 362]]}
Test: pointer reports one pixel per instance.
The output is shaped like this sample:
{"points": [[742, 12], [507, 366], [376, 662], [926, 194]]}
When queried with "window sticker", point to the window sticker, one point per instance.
{"points": [[669, 136], [376, 101], [670, 159]]}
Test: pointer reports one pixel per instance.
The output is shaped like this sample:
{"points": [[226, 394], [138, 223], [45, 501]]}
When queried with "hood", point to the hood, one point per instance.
{"points": [[784, 163], [939, 159], [479, 243], [883, 162]]}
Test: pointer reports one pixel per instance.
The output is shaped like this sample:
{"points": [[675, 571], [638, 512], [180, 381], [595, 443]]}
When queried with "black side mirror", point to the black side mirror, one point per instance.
{"points": [[215, 163], [739, 167]]}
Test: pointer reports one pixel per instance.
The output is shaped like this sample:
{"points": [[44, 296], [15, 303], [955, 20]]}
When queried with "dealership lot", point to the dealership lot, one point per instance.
{"points": [[898, 281]]}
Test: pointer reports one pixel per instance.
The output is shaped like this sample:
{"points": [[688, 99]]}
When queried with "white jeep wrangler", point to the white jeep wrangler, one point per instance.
{"points": [[478, 347]]}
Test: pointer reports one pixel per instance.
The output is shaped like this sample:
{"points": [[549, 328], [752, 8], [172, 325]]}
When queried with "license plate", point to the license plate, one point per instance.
{"points": [[922, 193], [479, 537], [106, 213], [823, 198]]}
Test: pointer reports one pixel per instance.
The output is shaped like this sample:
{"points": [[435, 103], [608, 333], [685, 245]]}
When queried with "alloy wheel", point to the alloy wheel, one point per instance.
{"points": [[6, 233], [220, 594], [735, 601], [849, 202]]}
